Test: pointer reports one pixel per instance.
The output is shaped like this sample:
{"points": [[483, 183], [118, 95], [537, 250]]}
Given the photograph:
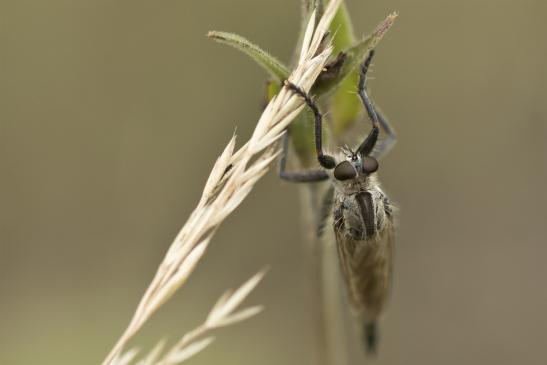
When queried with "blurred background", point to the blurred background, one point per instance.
{"points": [[113, 112]]}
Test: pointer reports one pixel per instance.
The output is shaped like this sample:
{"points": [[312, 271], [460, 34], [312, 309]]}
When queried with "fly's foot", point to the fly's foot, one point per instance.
{"points": [[326, 161]]}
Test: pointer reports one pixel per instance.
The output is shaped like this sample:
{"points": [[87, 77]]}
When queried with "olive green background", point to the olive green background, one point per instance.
{"points": [[113, 112]]}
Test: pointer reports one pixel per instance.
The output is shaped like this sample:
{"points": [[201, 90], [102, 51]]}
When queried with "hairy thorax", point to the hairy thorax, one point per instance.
{"points": [[361, 208]]}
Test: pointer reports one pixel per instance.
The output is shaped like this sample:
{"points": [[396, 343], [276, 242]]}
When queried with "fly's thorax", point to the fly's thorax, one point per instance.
{"points": [[361, 209]]}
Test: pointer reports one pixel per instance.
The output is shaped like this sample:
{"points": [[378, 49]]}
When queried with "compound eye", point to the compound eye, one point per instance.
{"points": [[370, 165], [344, 171]]}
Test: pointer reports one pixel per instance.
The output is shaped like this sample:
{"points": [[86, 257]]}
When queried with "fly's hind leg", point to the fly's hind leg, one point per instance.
{"points": [[326, 210]]}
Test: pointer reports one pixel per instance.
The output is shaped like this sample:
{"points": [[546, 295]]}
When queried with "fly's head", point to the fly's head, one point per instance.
{"points": [[354, 167]]}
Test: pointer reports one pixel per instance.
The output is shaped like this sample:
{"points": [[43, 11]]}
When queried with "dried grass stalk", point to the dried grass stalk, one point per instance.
{"points": [[193, 342], [231, 179]]}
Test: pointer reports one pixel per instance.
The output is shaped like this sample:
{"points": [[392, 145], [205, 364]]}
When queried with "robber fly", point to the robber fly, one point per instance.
{"points": [[361, 211]]}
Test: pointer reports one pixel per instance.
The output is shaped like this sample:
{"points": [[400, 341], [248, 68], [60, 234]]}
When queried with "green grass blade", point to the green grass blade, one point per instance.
{"points": [[341, 29], [276, 69], [356, 54], [345, 105]]}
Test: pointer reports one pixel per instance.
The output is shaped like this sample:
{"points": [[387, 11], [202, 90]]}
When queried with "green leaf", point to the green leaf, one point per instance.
{"points": [[301, 129], [264, 59], [272, 88], [345, 105], [342, 30], [355, 55]]}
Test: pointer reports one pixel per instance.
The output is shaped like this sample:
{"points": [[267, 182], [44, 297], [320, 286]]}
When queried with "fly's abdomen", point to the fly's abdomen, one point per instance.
{"points": [[370, 276], [364, 234]]}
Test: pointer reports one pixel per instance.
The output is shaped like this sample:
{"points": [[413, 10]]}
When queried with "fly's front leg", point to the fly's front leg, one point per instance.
{"points": [[377, 118], [387, 144], [325, 161], [297, 176]]}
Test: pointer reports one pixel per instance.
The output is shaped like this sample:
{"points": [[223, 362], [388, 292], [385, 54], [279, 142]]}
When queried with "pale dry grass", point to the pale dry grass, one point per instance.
{"points": [[230, 181], [222, 314]]}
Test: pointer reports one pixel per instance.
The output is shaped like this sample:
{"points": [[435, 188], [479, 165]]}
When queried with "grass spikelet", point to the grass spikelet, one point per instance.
{"points": [[225, 189]]}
